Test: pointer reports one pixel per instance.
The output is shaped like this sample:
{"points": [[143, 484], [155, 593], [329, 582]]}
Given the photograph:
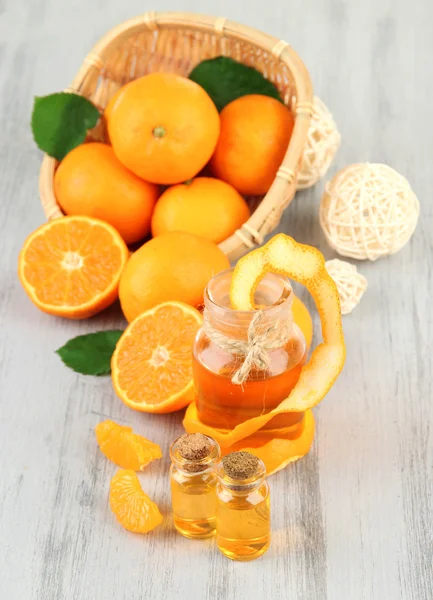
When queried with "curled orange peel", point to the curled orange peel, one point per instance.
{"points": [[305, 265], [279, 451]]}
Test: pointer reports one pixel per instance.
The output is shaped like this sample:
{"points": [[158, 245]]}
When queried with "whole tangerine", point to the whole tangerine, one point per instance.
{"points": [[173, 266], [255, 134], [163, 127], [90, 181], [205, 206]]}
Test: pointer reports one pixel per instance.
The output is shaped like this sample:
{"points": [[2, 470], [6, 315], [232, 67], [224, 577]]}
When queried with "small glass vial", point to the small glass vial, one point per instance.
{"points": [[243, 507], [193, 484]]}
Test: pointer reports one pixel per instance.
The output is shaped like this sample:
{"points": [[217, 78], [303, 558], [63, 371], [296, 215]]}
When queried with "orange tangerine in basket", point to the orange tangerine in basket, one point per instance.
{"points": [[255, 134], [163, 127], [91, 181], [152, 364], [133, 508], [125, 448], [71, 267], [205, 206]]}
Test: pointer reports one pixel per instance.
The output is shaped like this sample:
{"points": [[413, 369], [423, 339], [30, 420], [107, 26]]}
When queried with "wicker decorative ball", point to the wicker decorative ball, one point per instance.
{"points": [[350, 284], [323, 141], [368, 211]]}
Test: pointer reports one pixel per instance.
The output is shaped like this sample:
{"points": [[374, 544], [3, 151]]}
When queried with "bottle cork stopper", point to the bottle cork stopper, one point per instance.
{"points": [[194, 446], [240, 465]]}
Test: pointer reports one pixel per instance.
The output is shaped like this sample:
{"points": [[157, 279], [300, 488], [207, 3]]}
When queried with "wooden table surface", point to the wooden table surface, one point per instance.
{"points": [[351, 521]]}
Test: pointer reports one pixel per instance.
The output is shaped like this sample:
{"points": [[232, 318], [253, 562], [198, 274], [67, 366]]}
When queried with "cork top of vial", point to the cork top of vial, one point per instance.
{"points": [[240, 465], [194, 446]]}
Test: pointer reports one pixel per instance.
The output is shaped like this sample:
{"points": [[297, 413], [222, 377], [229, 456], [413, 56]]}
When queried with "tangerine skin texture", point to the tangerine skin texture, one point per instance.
{"points": [[206, 206], [255, 134], [173, 266], [91, 181], [163, 127]]}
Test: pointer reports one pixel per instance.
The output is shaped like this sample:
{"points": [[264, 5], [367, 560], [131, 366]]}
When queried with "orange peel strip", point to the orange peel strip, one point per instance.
{"points": [[306, 265], [276, 452]]}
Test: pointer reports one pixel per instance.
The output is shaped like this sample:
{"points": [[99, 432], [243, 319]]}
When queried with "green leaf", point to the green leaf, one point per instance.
{"points": [[90, 354], [225, 79], [60, 122]]}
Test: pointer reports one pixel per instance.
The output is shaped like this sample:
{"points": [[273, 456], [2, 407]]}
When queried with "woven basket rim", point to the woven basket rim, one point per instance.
{"points": [[282, 189]]}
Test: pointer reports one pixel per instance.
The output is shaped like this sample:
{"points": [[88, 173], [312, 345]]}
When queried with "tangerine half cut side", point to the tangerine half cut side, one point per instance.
{"points": [[70, 267], [152, 364]]}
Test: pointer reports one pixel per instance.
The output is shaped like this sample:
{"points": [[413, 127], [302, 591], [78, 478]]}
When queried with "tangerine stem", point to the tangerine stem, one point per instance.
{"points": [[159, 132]]}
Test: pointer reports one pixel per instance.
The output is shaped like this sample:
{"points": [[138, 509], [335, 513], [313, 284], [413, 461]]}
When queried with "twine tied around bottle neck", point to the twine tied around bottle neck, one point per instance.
{"points": [[255, 349]]}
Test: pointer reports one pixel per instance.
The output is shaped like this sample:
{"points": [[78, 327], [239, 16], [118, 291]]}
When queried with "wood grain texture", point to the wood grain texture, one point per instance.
{"points": [[351, 521]]}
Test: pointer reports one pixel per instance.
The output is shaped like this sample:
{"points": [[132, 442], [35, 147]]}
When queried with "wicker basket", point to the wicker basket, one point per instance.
{"points": [[176, 42]]}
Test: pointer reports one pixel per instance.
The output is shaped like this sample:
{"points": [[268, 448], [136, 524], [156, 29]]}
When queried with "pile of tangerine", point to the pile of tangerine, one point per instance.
{"points": [[174, 168], [163, 131]]}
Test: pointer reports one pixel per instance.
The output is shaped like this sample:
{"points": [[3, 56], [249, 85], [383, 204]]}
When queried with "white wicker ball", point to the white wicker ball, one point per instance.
{"points": [[368, 211], [323, 141], [350, 284]]}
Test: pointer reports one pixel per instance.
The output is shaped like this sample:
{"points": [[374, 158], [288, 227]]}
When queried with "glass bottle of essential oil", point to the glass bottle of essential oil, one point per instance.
{"points": [[223, 404], [243, 507], [193, 484]]}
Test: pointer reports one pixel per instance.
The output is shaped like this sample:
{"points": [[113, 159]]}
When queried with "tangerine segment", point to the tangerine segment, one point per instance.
{"points": [[126, 449], [279, 451], [133, 508], [152, 364], [71, 267]]}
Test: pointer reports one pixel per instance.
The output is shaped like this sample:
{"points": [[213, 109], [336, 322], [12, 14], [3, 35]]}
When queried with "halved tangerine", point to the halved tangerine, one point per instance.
{"points": [[151, 367], [133, 508], [126, 449], [71, 267]]}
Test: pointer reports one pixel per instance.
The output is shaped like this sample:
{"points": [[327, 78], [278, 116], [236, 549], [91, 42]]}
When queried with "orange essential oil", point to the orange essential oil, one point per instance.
{"points": [[220, 402], [193, 484], [243, 507]]}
